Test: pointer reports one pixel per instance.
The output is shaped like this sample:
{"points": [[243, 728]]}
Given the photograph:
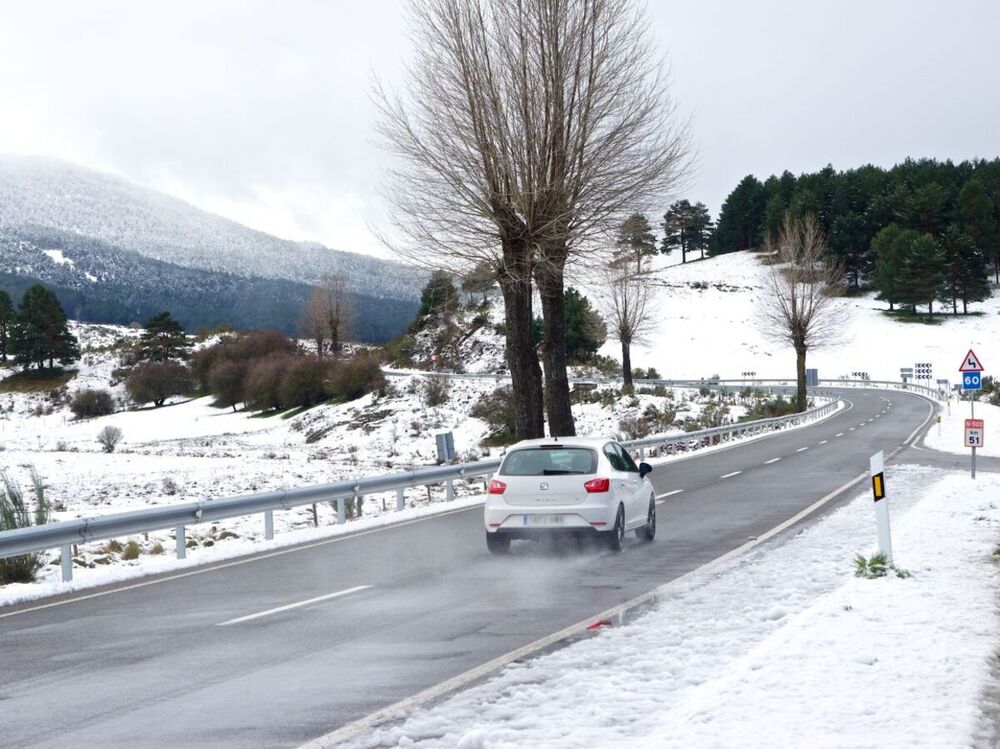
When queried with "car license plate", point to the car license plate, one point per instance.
{"points": [[543, 520]]}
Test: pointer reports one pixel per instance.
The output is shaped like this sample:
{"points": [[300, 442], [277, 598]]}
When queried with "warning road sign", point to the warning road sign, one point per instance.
{"points": [[974, 429], [971, 363]]}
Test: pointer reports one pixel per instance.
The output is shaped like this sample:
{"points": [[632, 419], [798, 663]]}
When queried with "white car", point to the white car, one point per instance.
{"points": [[569, 485]]}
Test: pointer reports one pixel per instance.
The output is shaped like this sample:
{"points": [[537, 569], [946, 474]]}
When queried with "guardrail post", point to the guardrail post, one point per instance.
{"points": [[449, 490], [642, 454], [400, 499], [269, 524], [66, 559], [341, 511], [181, 542]]}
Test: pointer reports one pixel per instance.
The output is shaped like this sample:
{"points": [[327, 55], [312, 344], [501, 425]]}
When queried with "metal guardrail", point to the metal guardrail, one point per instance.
{"points": [[65, 534]]}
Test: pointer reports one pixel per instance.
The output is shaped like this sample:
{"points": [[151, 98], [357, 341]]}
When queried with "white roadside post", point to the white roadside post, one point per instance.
{"points": [[877, 466]]}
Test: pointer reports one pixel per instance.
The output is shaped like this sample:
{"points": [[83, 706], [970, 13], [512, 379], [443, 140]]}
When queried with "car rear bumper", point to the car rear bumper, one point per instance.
{"points": [[531, 521]]}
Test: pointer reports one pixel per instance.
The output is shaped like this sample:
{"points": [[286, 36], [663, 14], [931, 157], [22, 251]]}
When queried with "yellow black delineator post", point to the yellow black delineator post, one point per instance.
{"points": [[877, 466]]}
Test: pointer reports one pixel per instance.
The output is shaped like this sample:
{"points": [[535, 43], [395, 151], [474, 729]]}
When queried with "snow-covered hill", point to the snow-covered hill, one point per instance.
{"points": [[50, 194], [707, 325]]}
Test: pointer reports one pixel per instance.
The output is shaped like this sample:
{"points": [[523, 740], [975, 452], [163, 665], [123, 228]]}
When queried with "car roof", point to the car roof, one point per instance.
{"points": [[592, 442]]}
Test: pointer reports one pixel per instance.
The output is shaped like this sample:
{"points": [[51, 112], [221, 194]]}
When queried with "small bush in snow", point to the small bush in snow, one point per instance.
{"points": [[497, 410], [131, 551], [157, 549], [90, 403], [170, 486], [304, 384], [354, 378], [875, 566], [437, 390], [14, 514], [154, 382], [109, 437]]}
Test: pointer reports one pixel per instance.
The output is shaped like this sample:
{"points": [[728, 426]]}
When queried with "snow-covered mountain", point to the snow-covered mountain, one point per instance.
{"points": [[57, 195]]}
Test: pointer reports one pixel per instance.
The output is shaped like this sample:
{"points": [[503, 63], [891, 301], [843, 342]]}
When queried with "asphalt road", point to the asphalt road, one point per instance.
{"points": [[155, 665]]}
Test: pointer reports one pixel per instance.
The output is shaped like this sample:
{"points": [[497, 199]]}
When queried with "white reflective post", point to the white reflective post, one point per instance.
{"points": [[877, 466]]}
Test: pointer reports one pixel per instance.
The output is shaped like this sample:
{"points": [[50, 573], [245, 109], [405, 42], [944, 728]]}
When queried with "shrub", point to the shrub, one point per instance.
{"points": [[131, 551], [633, 427], [226, 383], [90, 403], [436, 391], [264, 380], [877, 565], [170, 486], [497, 409], [356, 377], [305, 382], [154, 382], [157, 549], [14, 513], [109, 437]]}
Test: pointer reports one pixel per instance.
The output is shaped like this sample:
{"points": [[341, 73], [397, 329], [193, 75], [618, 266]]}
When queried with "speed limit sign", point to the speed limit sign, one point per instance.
{"points": [[974, 432]]}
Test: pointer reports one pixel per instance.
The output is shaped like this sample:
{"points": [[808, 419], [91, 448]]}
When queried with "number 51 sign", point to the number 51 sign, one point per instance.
{"points": [[974, 432]]}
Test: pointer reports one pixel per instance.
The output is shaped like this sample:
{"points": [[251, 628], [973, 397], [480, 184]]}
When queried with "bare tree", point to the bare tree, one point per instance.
{"points": [[798, 305], [533, 125], [327, 314], [312, 322], [629, 311]]}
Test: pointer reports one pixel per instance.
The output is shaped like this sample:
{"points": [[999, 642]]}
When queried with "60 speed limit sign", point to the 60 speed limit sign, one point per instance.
{"points": [[974, 432]]}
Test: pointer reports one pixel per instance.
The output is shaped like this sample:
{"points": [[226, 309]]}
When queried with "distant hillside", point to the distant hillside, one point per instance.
{"points": [[99, 283], [118, 251]]}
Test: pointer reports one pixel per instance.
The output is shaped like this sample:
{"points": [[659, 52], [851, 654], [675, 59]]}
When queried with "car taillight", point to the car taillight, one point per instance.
{"points": [[595, 486], [497, 487]]}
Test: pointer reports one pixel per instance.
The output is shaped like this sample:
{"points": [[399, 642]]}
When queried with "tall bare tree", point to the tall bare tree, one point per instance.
{"points": [[798, 304], [628, 309], [327, 315], [533, 126]]}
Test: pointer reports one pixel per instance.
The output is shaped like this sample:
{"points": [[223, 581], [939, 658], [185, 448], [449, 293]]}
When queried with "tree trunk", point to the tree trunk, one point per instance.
{"points": [[557, 400], [522, 360], [965, 307], [627, 366], [801, 399]]}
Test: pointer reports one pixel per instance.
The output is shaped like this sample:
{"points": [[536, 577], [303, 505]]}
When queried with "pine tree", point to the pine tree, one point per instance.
{"points": [[700, 228], [41, 331], [967, 276], [635, 240], [975, 212], [163, 339], [438, 296], [585, 330], [923, 274], [7, 315], [741, 220], [890, 249], [480, 280], [675, 228]]}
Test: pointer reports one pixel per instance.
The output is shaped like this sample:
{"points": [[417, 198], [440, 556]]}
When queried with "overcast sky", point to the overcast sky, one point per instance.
{"points": [[259, 110]]}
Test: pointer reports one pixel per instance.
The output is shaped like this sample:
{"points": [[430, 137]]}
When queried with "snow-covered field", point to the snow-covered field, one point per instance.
{"points": [[950, 435], [782, 647], [708, 326]]}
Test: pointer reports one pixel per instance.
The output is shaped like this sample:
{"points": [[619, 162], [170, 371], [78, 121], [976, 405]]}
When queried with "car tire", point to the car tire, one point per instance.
{"points": [[616, 536], [648, 531], [497, 543]]}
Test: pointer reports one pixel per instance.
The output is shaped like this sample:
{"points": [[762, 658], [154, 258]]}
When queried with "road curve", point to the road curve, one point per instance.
{"points": [[278, 650]]}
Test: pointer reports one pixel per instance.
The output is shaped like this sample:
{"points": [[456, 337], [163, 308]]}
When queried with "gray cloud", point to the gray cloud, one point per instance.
{"points": [[260, 110]]}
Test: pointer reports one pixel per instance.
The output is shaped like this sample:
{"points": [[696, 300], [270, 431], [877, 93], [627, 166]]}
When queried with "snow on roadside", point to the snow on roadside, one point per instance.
{"points": [[950, 435], [781, 647]]}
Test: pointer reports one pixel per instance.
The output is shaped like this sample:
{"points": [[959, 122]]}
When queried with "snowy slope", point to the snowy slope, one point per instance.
{"points": [[57, 195], [706, 313]]}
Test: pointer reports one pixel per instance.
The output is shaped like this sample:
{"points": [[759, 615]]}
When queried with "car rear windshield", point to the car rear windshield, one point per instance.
{"points": [[550, 461]]}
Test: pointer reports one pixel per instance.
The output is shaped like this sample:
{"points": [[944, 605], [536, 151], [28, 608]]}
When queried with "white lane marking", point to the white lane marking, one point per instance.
{"points": [[730, 475], [392, 712], [290, 606], [802, 449], [823, 442], [772, 460], [212, 567], [852, 429], [839, 435], [669, 494]]}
